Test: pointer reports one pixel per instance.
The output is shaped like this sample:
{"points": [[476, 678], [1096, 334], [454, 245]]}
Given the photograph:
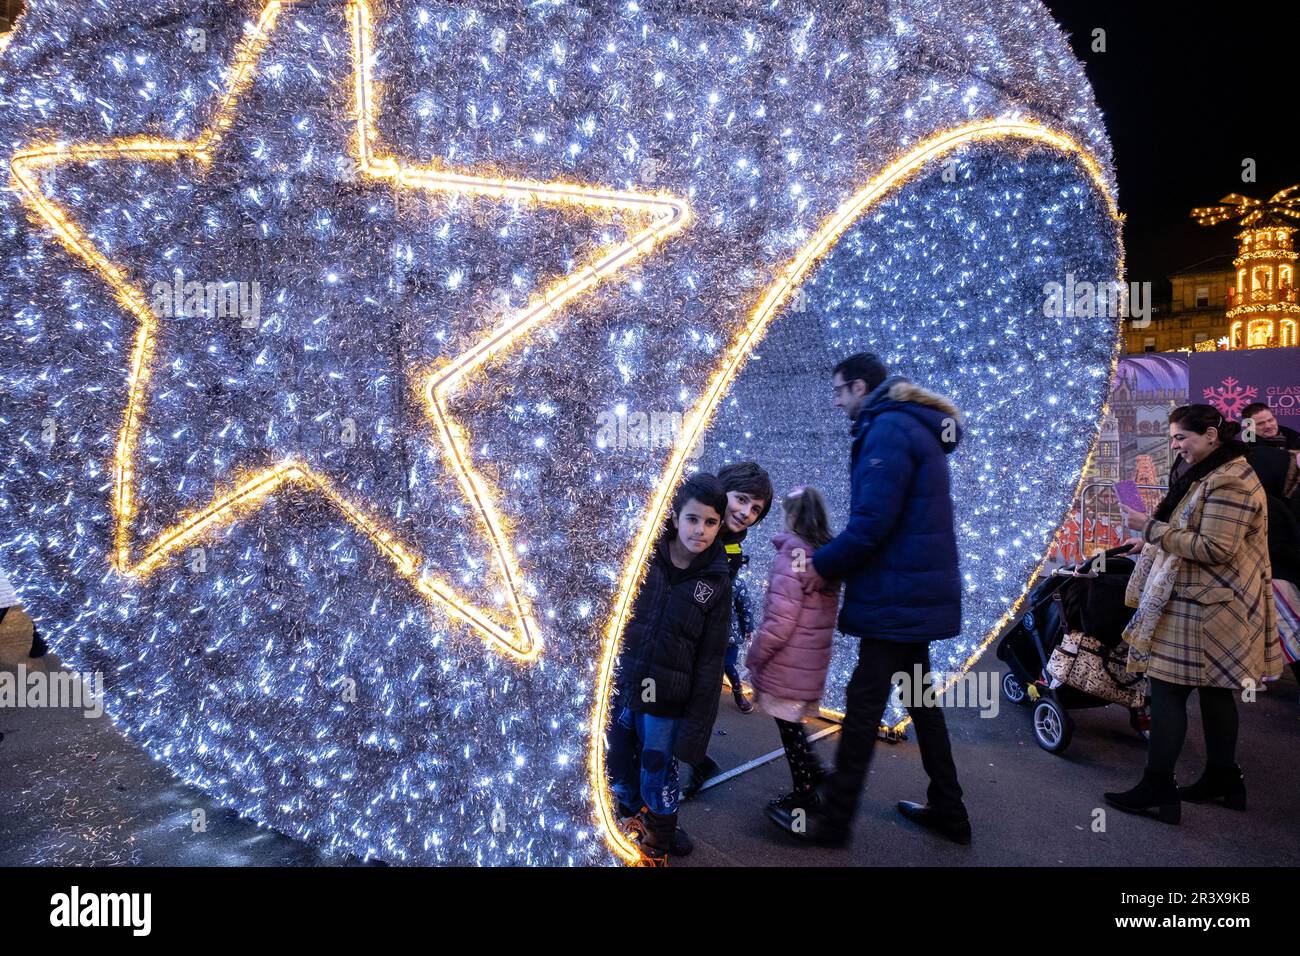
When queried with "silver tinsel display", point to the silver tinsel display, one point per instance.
{"points": [[281, 655], [945, 284]]}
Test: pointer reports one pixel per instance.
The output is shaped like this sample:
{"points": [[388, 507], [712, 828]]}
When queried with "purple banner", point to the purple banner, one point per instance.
{"points": [[1134, 440], [1232, 380]]}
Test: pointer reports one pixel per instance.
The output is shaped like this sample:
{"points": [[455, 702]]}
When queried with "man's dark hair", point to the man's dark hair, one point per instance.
{"points": [[1254, 407], [704, 488], [865, 366], [748, 477]]}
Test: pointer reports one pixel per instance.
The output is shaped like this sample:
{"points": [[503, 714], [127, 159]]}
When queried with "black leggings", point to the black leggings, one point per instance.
{"points": [[1169, 725], [806, 770]]}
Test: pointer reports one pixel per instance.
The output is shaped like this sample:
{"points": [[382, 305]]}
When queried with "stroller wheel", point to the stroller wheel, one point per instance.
{"points": [[1052, 727], [1013, 689]]}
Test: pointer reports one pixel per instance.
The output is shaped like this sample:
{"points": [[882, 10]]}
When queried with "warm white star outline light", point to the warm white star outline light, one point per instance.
{"points": [[519, 636]]}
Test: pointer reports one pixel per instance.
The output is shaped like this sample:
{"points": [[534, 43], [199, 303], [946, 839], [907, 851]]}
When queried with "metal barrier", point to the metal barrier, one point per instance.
{"points": [[1090, 495]]}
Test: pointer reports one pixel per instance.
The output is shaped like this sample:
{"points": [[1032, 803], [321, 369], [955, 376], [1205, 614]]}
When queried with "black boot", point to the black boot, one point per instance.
{"points": [[656, 830], [795, 798], [958, 831], [638, 825], [743, 703], [802, 796], [1218, 783], [1157, 791], [807, 817]]}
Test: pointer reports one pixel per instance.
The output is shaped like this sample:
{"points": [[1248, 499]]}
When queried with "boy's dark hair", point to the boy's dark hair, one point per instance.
{"points": [[748, 477], [1250, 410], [865, 366], [704, 488]]}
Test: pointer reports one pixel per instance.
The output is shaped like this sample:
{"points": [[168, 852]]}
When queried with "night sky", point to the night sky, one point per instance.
{"points": [[1188, 92]]}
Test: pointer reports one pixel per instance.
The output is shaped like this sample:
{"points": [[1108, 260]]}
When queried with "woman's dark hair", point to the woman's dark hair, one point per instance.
{"points": [[704, 488], [1201, 418], [748, 477]]}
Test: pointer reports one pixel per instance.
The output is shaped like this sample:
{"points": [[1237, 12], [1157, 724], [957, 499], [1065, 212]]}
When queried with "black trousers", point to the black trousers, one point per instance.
{"points": [[1168, 703], [868, 693]]}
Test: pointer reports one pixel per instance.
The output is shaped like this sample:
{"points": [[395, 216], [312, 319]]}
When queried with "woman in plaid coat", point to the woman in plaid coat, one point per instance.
{"points": [[1205, 619]]}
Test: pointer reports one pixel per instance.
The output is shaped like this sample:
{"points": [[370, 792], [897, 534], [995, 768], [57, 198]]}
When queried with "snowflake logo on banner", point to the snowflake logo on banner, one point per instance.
{"points": [[1230, 397]]}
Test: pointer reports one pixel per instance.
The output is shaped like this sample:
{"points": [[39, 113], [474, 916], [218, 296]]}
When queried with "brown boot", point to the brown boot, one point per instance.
{"points": [[656, 832]]}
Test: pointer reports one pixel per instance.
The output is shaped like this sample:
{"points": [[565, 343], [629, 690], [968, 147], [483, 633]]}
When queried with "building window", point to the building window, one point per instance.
{"points": [[1202, 296], [1149, 344], [9, 10], [1259, 333]]}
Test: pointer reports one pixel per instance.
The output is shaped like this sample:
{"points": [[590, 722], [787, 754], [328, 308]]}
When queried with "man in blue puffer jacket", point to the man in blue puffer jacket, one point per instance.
{"points": [[898, 558]]}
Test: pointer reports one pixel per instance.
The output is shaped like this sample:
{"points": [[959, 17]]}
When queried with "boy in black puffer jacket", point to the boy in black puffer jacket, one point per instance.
{"points": [[670, 667], [749, 498]]}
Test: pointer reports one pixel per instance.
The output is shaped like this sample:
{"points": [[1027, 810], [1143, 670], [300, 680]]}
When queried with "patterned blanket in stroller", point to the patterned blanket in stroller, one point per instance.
{"points": [[1085, 663]]}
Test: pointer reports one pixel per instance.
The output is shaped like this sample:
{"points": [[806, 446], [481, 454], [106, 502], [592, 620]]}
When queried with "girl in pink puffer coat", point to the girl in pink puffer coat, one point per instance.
{"points": [[791, 652]]}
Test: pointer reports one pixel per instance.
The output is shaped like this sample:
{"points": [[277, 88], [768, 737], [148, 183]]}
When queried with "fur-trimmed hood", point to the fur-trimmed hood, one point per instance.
{"points": [[905, 391], [935, 411]]}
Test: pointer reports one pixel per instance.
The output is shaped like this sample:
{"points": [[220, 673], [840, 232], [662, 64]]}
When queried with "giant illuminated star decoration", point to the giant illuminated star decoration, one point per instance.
{"points": [[519, 636]]}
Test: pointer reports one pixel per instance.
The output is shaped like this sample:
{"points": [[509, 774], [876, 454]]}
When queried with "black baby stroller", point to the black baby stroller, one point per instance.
{"points": [[1085, 602]]}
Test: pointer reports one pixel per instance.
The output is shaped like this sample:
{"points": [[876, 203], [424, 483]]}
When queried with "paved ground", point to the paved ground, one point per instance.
{"points": [[1028, 807], [74, 791]]}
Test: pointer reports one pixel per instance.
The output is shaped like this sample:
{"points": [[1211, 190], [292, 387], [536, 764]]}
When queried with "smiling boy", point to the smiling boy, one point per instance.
{"points": [[749, 498]]}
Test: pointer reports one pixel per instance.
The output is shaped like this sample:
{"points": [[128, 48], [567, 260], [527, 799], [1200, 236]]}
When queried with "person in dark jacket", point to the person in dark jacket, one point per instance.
{"points": [[1266, 429], [749, 499], [1279, 476], [670, 667], [898, 559]]}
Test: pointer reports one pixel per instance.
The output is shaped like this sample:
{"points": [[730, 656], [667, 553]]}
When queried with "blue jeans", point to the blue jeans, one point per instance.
{"points": [[730, 666], [642, 768]]}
